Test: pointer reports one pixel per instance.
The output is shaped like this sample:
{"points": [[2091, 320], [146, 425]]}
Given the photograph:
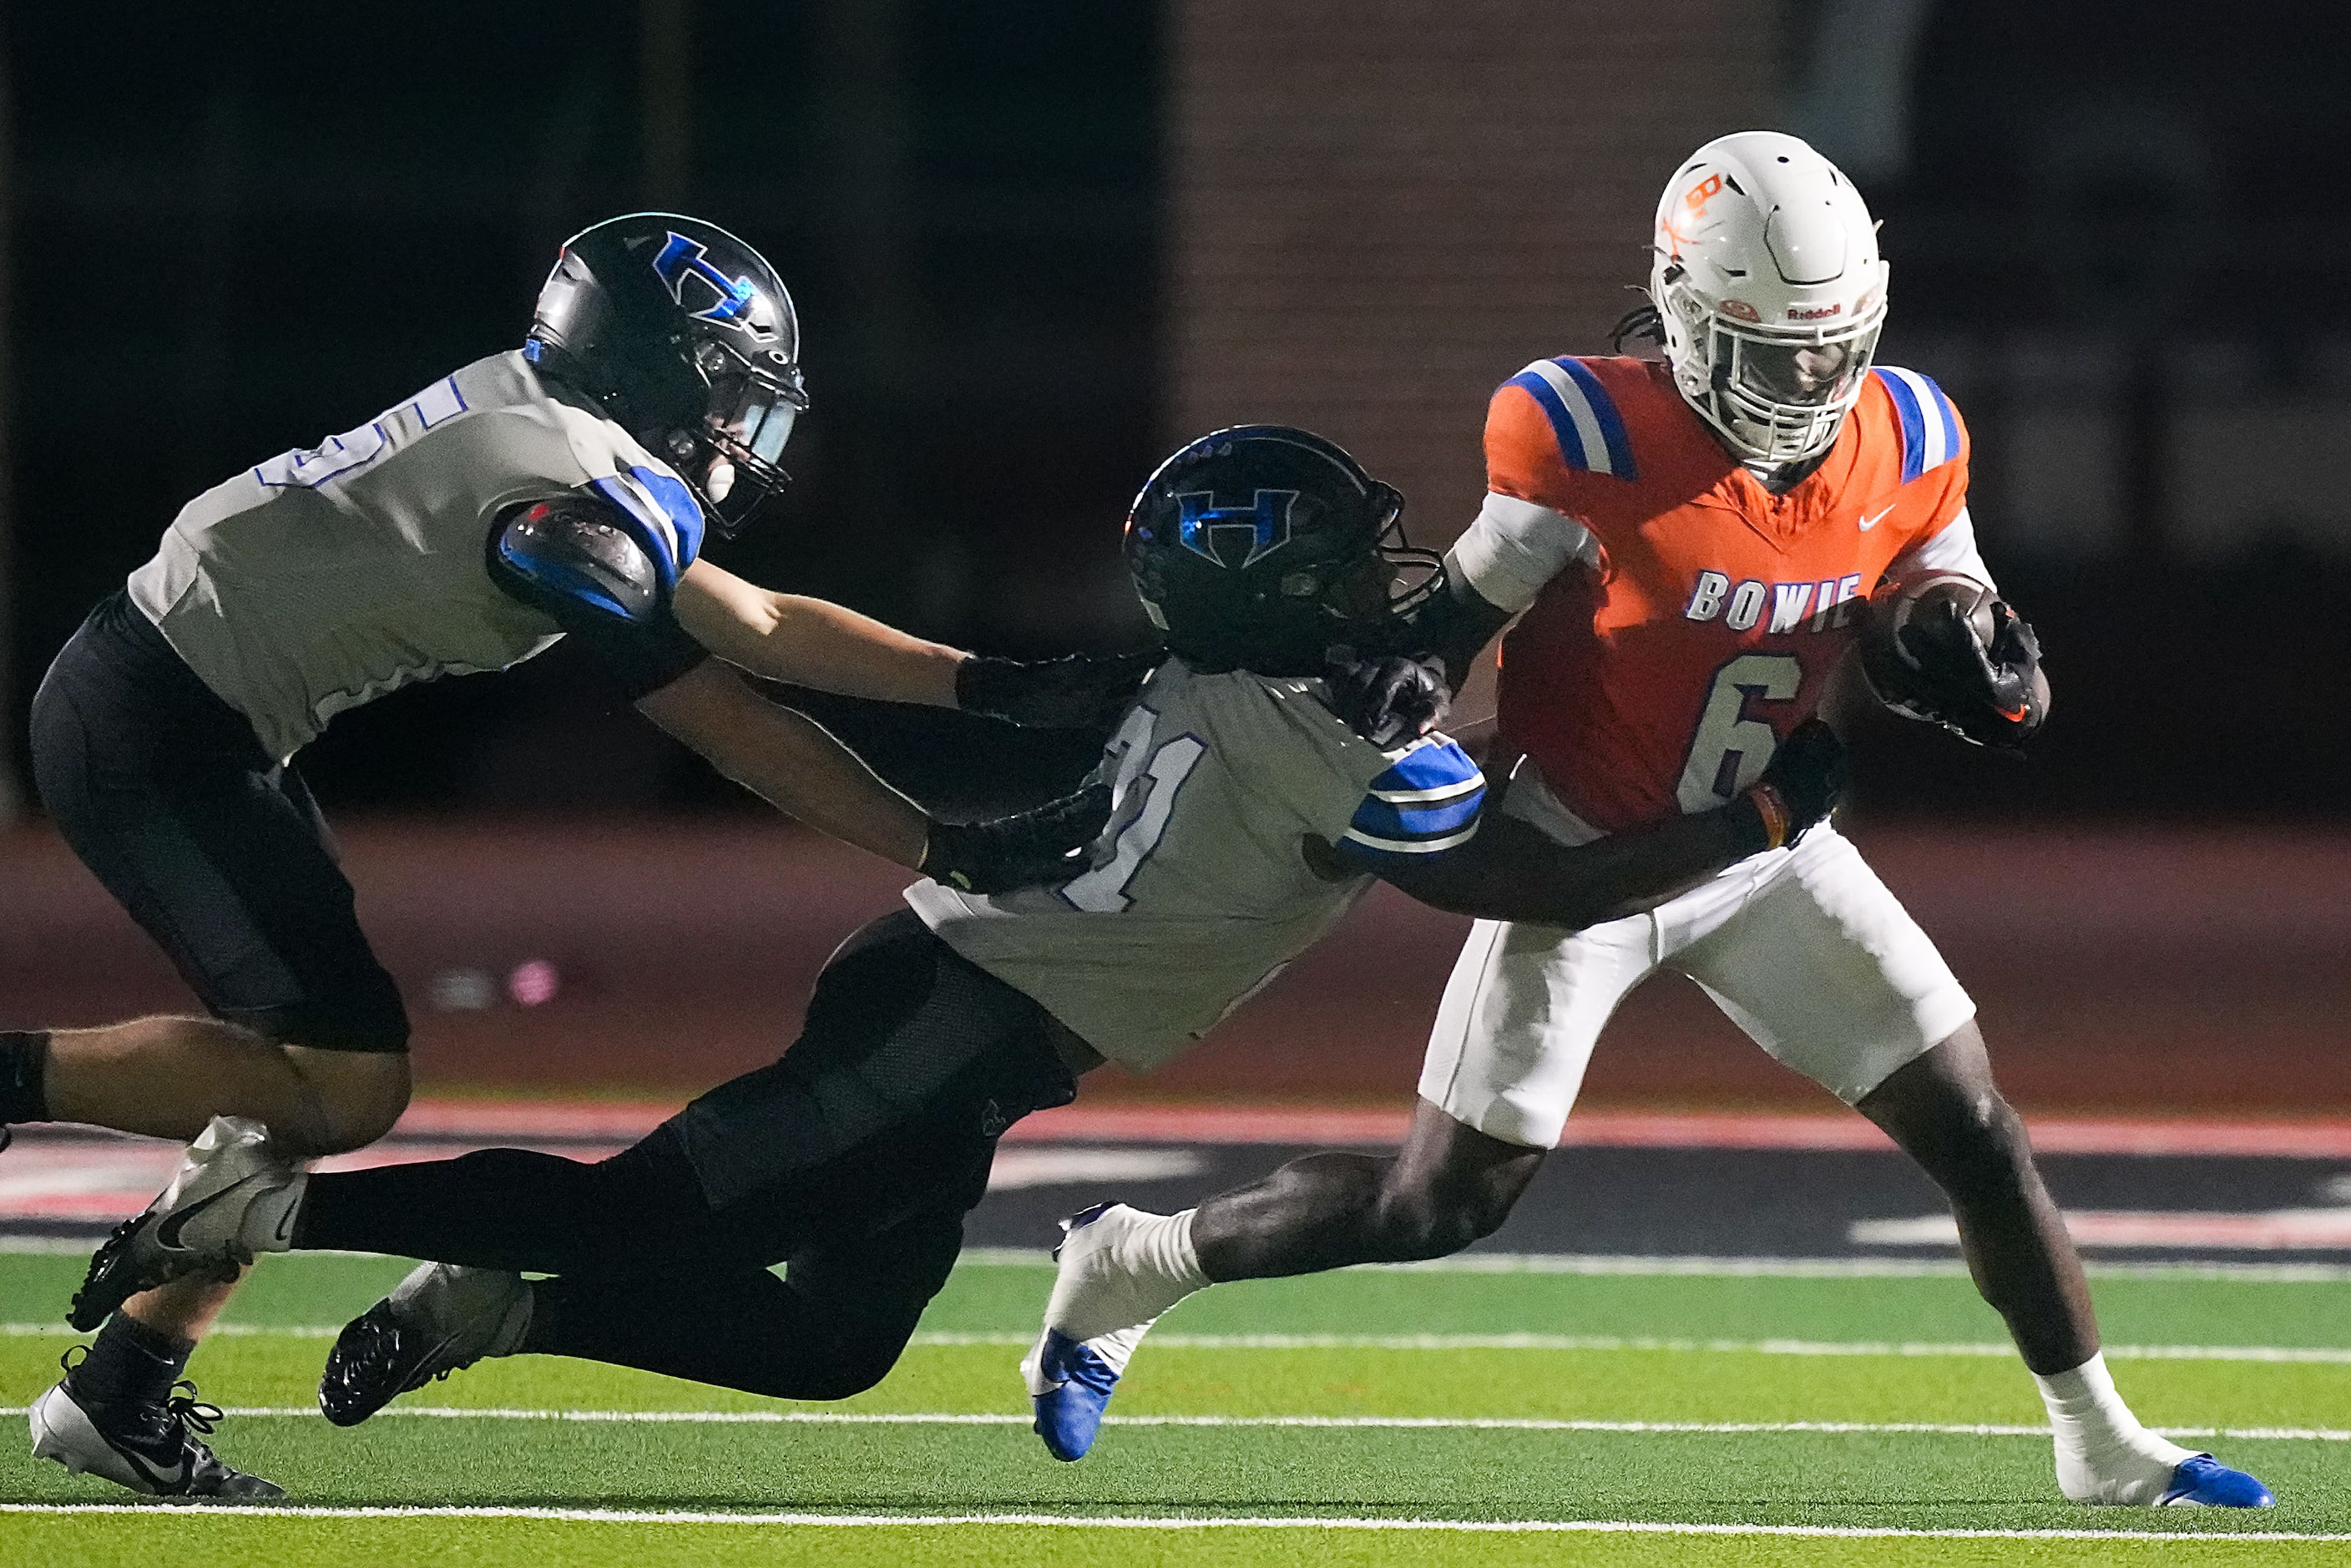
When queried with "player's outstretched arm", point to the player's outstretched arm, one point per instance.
{"points": [[1511, 870], [795, 765], [1461, 623], [789, 760], [813, 642]]}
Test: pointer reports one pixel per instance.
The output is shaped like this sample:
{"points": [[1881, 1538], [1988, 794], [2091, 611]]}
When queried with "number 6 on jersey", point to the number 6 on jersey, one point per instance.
{"points": [[1730, 750]]}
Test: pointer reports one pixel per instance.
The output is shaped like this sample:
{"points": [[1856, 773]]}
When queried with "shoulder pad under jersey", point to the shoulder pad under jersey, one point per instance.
{"points": [[1584, 416], [1930, 427], [579, 552]]}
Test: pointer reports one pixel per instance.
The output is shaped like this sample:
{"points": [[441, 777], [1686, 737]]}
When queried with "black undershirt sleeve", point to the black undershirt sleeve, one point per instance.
{"points": [[638, 657]]}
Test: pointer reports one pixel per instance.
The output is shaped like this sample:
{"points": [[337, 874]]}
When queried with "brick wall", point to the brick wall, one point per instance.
{"points": [[1379, 210]]}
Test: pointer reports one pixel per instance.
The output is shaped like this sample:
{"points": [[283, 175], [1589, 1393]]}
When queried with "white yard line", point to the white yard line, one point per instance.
{"points": [[1318, 1423], [1163, 1523], [2326, 1355], [1637, 1265], [1582, 1263]]}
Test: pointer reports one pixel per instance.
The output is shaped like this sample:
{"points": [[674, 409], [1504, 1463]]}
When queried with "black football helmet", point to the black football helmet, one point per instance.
{"points": [[1262, 546], [686, 337]]}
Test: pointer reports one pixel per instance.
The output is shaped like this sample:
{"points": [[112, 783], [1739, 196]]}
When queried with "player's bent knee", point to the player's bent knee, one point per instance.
{"points": [[843, 1382], [355, 1097]]}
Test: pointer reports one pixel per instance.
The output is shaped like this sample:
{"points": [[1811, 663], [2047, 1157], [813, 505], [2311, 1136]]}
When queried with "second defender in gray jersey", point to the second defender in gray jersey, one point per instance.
{"points": [[1216, 868]]}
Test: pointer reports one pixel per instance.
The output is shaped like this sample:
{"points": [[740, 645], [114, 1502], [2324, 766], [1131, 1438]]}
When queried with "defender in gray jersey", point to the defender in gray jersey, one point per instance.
{"points": [[1247, 817], [565, 488]]}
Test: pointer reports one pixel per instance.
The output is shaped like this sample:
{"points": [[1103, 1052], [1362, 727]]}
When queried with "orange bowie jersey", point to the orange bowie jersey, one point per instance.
{"points": [[1660, 679]]}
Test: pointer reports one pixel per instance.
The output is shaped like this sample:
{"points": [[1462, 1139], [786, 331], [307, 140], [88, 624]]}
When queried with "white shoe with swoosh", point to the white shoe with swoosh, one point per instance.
{"points": [[150, 1448], [232, 1195]]}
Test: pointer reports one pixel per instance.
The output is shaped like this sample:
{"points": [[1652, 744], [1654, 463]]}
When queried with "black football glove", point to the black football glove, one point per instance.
{"points": [[1075, 692], [1387, 700], [1808, 773], [1047, 844], [1986, 694]]}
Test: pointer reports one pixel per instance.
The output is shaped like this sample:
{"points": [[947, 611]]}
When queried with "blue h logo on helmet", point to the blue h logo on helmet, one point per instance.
{"points": [[1265, 518], [680, 257]]}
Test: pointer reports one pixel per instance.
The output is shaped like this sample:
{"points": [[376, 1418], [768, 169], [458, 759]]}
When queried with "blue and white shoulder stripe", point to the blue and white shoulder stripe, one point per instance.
{"points": [[668, 518], [1583, 417], [1426, 802], [1930, 427]]}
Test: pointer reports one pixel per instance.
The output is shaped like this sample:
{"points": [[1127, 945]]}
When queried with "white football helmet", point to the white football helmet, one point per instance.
{"points": [[1771, 292]]}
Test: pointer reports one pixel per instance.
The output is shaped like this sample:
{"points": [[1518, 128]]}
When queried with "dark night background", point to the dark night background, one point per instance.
{"points": [[239, 230]]}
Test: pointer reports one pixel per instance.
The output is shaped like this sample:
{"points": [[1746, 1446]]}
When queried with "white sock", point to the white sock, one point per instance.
{"points": [[1135, 1267], [2104, 1455]]}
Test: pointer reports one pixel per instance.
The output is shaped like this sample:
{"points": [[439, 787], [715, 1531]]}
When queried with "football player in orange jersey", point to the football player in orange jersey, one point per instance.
{"points": [[1687, 543]]}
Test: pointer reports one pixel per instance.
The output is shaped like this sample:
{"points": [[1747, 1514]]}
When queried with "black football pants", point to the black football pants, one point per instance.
{"points": [[852, 1161], [214, 847]]}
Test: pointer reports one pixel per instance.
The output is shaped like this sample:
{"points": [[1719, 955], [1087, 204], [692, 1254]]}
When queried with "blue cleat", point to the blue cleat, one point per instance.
{"points": [[1071, 1385], [1071, 1379], [2203, 1481]]}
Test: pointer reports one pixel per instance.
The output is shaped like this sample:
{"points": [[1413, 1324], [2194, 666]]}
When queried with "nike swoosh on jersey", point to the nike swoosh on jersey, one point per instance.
{"points": [[1869, 523]]}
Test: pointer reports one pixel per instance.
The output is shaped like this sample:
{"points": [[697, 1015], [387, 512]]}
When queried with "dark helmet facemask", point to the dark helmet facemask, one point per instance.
{"points": [[733, 458]]}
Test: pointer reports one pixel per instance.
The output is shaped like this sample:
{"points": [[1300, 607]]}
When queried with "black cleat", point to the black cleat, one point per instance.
{"points": [[441, 1319], [150, 1448]]}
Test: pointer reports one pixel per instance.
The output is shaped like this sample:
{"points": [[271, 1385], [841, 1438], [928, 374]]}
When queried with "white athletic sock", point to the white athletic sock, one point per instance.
{"points": [[1133, 1267], [2104, 1455]]}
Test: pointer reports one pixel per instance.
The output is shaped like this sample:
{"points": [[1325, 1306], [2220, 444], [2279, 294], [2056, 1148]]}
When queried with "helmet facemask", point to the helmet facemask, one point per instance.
{"points": [[1373, 601], [734, 458], [1776, 394]]}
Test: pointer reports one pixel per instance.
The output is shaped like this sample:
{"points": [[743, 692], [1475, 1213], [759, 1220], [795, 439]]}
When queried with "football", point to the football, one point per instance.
{"points": [[1909, 639], [1919, 661], [1918, 599]]}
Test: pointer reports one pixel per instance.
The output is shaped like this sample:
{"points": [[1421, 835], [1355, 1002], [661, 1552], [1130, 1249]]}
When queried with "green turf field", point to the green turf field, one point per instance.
{"points": [[1380, 1413]]}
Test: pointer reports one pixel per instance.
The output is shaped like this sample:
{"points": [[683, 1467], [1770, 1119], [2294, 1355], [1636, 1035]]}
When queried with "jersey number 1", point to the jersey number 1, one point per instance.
{"points": [[1730, 750], [1103, 890]]}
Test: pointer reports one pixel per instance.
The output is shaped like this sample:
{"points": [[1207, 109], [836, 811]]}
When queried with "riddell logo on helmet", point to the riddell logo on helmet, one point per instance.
{"points": [[1814, 312], [1740, 310]]}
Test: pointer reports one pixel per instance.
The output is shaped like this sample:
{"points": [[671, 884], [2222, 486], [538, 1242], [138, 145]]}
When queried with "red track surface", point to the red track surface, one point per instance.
{"points": [[2201, 974], [1125, 1122]]}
